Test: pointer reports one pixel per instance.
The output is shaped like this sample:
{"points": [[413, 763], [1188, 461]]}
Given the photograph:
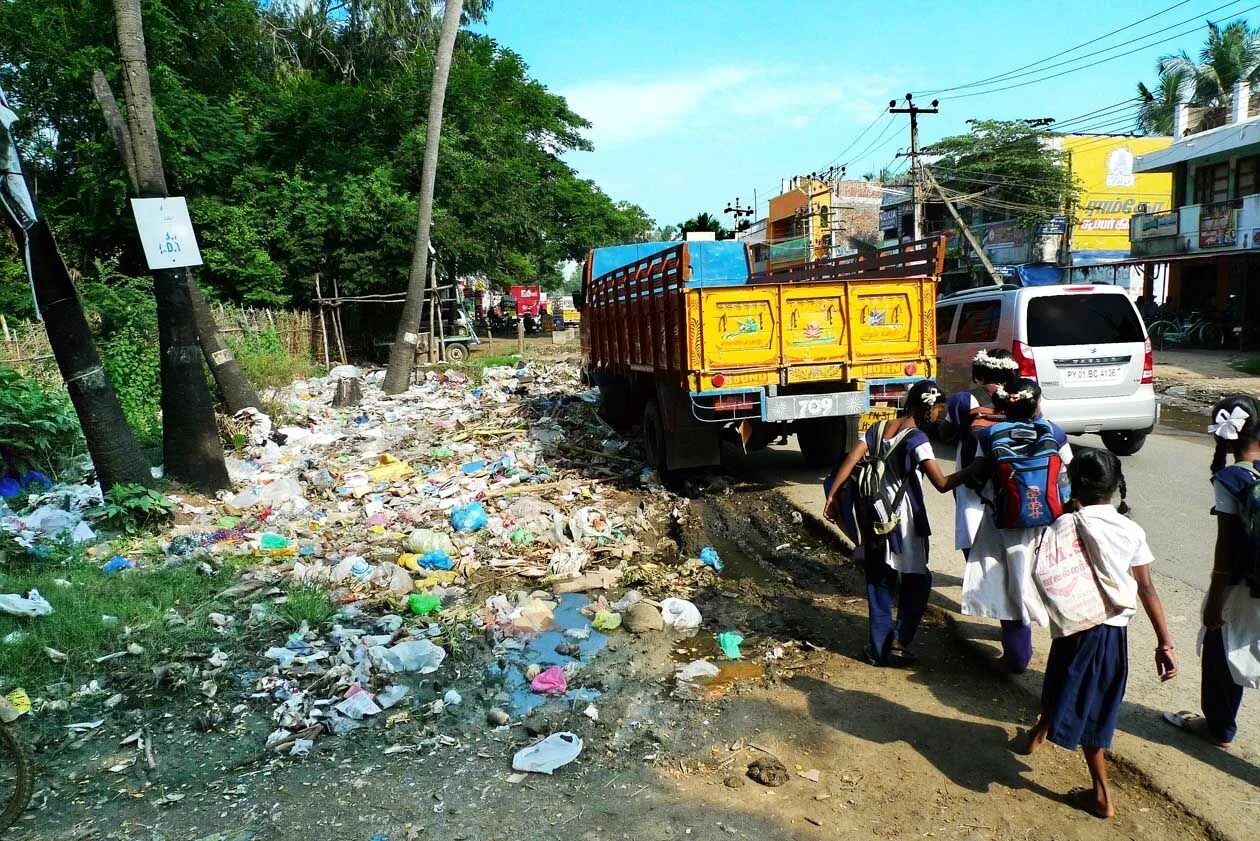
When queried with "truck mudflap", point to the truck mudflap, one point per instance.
{"points": [[804, 406]]}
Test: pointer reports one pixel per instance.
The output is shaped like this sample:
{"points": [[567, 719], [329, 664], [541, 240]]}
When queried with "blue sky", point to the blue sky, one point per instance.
{"points": [[696, 103]]}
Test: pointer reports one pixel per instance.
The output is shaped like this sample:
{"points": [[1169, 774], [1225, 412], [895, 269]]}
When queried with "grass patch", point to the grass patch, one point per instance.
{"points": [[1247, 365], [308, 603], [96, 614], [265, 361], [508, 359]]}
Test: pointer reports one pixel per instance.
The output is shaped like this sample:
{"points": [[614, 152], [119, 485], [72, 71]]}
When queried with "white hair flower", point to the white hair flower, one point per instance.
{"points": [[930, 396], [1229, 425], [984, 360], [1023, 394]]}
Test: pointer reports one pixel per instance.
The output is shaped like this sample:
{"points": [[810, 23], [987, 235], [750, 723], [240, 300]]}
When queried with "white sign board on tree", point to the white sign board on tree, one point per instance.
{"points": [[166, 232]]}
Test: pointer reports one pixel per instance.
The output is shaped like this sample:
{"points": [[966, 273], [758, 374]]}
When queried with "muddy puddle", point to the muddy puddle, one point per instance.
{"points": [[1181, 419], [570, 639]]}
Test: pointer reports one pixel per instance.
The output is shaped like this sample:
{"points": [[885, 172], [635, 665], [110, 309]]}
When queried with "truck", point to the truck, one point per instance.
{"points": [[685, 340]]}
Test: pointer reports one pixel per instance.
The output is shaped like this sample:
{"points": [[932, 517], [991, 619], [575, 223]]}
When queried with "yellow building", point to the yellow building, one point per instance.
{"points": [[797, 221], [1111, 193]]}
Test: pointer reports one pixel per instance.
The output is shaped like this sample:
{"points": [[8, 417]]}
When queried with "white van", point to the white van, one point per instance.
{"points": [[1085, 345]]}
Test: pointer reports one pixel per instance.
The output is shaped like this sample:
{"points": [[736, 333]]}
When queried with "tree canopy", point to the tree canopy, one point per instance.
{"points": [[1230, 54], [297, 131], [1007, 169]]}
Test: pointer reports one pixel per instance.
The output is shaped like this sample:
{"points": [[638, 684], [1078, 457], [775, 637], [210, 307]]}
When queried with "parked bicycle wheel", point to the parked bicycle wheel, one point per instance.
{"points": [[1211, 336], [1159, 330], [15, 778]]}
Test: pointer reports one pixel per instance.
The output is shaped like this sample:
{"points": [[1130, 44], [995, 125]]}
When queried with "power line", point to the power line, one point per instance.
{"points": [[1100, 61], [858, 139], [1003, 76]]}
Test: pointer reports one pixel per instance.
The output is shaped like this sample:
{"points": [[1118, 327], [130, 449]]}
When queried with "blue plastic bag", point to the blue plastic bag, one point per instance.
{"points": [[34, 480], [437, 559], [117, 564], [9, 487], [710, 556], [470, 517]]}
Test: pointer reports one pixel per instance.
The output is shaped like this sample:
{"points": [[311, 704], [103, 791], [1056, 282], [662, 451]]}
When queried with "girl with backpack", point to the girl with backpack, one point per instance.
{"points": [[1026, 485], [969, 411], [1231, 611], [1087, 671], [894, 551]]}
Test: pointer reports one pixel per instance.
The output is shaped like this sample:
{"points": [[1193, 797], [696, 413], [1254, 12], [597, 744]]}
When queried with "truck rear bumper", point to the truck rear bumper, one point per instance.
{"points": [[804, 406]]}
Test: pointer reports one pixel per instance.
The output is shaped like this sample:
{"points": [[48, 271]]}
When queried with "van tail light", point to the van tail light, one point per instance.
{"points": [[1027, 365], [1148, 364]]}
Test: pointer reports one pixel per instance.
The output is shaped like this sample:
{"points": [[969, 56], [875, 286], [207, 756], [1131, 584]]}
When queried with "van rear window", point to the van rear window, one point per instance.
{"points": [[1082, 320]]}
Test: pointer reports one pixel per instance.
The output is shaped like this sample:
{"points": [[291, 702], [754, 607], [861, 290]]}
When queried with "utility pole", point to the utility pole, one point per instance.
{"points": [[964, 227], [914, 111], [1068, 212]]}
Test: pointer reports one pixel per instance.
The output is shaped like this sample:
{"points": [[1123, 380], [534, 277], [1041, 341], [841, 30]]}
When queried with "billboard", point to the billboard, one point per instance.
{"points": [[1111, 192]]}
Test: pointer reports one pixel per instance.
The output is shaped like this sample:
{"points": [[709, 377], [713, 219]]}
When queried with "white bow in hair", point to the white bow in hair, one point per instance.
{"points": [[930, 396], [1228, 425]]}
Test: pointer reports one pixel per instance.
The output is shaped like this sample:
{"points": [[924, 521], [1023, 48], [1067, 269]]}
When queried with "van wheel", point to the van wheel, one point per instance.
{"points": [[1124, 443], [654, 437], [824, 441], [456, 353]]}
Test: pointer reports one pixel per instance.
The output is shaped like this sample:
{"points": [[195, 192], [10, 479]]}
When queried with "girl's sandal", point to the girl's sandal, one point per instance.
{"points": [[1192, 722]]}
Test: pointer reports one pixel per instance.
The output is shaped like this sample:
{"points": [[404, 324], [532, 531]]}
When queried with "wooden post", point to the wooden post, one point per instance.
{"points": [[337, 328], [520, 334], [323, 327], [4, 325]]}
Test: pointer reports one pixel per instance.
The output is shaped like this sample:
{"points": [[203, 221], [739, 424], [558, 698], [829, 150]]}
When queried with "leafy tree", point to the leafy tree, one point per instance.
{"points": [[1157, 107], [1006, 169]]}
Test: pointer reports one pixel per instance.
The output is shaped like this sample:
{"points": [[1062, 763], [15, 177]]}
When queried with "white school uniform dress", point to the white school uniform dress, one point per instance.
{"points": [[968, 506], [998, 578], [1240, 610]]}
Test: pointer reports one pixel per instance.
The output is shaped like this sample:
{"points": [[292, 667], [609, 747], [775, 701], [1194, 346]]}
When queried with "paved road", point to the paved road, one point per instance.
{"points": [[1171, 498]]}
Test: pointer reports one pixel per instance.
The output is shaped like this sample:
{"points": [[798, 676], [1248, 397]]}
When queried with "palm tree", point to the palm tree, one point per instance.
{"points": [[1156, 109], [1230, 55], [706, 222]]}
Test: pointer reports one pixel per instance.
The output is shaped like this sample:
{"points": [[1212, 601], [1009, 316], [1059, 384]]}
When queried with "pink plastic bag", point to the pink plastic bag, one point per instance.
{"points": [[550, 682]]}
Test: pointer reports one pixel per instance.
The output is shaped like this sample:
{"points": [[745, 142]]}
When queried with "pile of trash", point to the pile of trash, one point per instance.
{"points": [[406, 511]]}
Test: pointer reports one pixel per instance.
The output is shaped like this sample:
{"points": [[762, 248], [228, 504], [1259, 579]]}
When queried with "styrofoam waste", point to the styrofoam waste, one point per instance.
{"points": [[680, 614], [555, 751]]}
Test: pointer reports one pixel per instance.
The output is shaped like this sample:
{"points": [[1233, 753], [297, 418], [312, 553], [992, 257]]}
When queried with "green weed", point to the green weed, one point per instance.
{"points": [[1247, 365], [95, 614], [38, 428], [264, 359], [133, 509], [308, 603]]}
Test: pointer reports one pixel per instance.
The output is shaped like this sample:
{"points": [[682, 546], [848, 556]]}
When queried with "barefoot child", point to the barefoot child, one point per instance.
{"points": [[899, 558], [1087, 671], [998, 581], [1231, 612]]}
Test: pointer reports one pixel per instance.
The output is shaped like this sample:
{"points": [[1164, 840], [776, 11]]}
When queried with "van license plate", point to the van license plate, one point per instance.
{"points": [[1092, 375]]}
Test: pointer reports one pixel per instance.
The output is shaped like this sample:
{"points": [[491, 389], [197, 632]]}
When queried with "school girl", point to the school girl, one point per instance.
{"points": [[967, 412], [1231, 611], [900, 560], [998, 577], [1087, 672]]}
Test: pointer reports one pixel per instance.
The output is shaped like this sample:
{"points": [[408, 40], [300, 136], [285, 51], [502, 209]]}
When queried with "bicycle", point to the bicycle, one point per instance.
{"points": [[15, 778], [1193, 331]]}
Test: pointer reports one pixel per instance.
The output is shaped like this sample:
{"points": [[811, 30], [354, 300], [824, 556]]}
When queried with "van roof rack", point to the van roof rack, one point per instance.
{"points": [[962, 293]]}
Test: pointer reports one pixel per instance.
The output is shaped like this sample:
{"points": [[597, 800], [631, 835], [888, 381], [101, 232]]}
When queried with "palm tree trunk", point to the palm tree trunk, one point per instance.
{"points": [[190, 437], [111, 444], [236, 389], [402, 356]]}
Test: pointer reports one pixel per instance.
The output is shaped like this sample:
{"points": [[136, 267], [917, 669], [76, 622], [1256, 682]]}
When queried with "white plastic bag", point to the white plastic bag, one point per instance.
{"points": [[544, 757], [414, 656], [680, 614], [1241, 612], [32, 605]]}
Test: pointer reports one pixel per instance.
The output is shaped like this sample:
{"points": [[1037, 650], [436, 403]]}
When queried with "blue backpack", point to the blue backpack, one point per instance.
{"points": [[1027, 473]]}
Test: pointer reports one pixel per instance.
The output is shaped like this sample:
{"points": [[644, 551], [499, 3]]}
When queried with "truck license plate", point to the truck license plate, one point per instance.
{"points": [[1093, 375]]}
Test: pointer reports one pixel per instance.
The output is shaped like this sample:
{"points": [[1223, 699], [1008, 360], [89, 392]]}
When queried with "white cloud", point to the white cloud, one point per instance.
{"points": [[628, 110], [621, 111]]}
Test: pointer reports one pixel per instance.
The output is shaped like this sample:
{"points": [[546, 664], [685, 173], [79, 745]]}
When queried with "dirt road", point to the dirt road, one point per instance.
{"points": [[885, 753]]}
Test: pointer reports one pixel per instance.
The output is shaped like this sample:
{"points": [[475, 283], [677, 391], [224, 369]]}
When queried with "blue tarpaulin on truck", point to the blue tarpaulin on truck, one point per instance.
{"points": [[716, 263]]}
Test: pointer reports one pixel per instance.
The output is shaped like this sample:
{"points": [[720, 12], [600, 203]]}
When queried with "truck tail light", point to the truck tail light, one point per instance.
{"points": [[719, 380], [1148, 364], [1027, 365], [911, 369]]}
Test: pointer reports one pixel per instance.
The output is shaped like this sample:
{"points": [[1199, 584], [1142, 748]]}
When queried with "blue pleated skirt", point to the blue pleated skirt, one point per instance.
{"points": [[1086, 675]]}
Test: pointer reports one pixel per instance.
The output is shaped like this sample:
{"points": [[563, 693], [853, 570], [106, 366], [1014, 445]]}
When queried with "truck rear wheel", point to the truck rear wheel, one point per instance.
{"points": [[654, 438], [615, 403], [824, 441]]}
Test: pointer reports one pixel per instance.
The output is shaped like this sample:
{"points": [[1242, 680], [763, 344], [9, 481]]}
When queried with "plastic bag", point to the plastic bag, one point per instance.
{"points": [[680, 614], [696, 670], [117, 564], [358, 706], [422, 604], [423, 541], [551, 681], [606, 620], [555, 751], [390, 469], [709, 556], [470, 517], [33, 604], [590, 524], [533, 615], [567, 562], [729, 642], [414, 656]]}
